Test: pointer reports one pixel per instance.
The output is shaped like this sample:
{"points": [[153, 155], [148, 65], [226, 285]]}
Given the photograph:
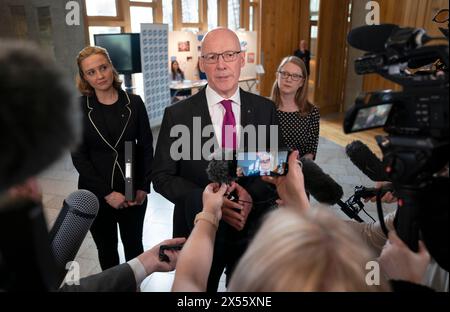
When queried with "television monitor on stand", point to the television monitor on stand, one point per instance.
{"points": [[125, 52]]}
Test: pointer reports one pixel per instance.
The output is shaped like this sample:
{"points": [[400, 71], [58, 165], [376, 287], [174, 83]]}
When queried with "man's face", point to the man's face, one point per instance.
{"points": [[264, 161], [223, 77]]}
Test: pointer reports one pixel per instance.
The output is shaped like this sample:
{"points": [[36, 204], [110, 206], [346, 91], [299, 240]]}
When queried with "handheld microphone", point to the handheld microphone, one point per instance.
{"points": [[320, 185], [74, 221], [323, 188], [366, 161]]}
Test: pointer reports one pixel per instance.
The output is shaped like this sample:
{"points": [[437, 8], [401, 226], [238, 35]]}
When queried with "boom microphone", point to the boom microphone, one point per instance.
{"points": [[74, 221], [366, 161]]}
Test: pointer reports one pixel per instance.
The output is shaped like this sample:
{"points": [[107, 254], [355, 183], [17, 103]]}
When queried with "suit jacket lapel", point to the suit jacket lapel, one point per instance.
{"points": [[247, 108]]}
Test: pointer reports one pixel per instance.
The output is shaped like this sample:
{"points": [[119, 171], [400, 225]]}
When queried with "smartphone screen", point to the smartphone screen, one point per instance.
{"points": [[262, 163]]}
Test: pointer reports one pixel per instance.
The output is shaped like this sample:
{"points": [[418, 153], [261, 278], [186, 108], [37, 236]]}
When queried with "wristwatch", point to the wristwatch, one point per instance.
{"points": [[208, 217]]}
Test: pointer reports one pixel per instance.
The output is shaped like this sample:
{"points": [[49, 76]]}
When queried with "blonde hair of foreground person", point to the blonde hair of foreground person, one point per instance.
{"points": [[304, 251]]}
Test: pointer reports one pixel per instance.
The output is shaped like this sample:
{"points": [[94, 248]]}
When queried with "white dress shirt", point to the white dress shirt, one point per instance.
{"points": [[217, 111]]}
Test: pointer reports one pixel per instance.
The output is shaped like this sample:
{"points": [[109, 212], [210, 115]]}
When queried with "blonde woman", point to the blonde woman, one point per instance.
{"points": [[110, 117]]}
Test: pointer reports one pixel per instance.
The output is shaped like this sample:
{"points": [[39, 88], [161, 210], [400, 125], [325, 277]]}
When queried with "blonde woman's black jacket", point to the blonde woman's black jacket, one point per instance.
{"points": [[99, 161]]}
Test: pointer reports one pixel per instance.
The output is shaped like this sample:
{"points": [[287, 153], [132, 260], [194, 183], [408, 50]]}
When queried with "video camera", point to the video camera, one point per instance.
{"points": [[417, 122]]}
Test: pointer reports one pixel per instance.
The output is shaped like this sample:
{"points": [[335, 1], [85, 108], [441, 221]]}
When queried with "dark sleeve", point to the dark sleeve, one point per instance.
{"points": [[144, 147], [165, 177], [404, 286], [119, 278], [314, 130], [91, 178]]}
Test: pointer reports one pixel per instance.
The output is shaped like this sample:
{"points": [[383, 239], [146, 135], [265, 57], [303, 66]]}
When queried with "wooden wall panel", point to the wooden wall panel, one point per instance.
{"points": [[280, 34], [331, 55]]}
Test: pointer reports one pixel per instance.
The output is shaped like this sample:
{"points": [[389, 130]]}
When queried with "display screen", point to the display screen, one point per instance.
{"points": [[124, 51], [261, 163], [372, 117]]}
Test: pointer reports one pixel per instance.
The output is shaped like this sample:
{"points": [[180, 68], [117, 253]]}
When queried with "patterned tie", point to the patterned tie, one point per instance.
{"points": [[228, 126]]}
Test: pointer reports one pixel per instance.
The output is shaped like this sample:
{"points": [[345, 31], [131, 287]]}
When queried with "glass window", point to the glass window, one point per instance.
{"points": [[234, 14], [45, 28], [140, 15], [101, 8], [212, 14], [19, 21], [101, 30], [251, 17], [168, 13], [189, 9], [314, 6]]}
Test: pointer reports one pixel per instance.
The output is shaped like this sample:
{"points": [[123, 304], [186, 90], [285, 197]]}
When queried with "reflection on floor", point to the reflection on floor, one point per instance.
{"points": [[61, 179]]}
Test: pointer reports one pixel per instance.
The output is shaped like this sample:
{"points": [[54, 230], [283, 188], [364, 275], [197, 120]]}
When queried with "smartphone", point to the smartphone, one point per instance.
{"points": [[262, 163]]}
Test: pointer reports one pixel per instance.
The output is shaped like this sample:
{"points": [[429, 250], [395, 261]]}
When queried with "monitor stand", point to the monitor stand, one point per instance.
{"points": [[128, 83]]}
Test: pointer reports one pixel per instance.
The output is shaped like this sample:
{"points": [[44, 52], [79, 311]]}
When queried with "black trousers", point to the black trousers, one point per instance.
{"points": [[104, 232]]}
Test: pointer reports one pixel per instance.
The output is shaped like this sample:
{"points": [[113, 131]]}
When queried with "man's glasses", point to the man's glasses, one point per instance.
{"points": [[264, 161], [213, 58], [286, 75], [441, 16]]}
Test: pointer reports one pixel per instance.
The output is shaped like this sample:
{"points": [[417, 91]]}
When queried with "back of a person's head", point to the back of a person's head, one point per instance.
{"points": [[312, 251], [38, 118]]}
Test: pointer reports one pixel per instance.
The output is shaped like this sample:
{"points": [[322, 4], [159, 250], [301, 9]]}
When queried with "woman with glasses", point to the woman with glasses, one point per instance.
{"points": [[298, 119]]}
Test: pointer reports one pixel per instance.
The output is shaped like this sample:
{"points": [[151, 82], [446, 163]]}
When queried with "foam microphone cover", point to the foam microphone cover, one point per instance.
{"points": [[319, 184], [366, 161], [371, 38], [74, 221]]}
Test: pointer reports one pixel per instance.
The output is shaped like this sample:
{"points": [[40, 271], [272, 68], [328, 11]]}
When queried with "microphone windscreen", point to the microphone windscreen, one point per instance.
{"points": [[39, 116], [70, 228], [366, 161], [319, 184], [371, 38], [221, 167]]}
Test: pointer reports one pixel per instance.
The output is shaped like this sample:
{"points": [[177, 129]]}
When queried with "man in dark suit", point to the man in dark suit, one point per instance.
{"points": [[224, 108]]}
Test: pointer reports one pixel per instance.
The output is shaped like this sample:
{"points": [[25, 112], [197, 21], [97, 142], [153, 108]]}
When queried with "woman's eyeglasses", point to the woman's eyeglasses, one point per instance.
{"points": [[286, 75]]}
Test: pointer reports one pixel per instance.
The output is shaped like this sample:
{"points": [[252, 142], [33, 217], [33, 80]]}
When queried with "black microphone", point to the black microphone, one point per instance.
{"points": [[70, 228], [222, 169], [323, 188], [320, 185], [371, 38], [366, 161]]}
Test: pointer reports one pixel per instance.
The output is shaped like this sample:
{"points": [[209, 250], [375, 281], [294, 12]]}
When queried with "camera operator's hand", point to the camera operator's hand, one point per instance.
{"points": [[244, 206], [291, 188], [387, 198], [400, 263]]}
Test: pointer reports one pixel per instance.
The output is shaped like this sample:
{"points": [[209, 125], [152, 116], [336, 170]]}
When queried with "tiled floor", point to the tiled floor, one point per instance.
{"points": [[60, 180]]}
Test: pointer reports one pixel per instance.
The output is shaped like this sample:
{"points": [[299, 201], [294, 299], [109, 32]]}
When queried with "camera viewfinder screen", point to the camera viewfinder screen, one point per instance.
{"points": [[262, 163], [372, 117]]}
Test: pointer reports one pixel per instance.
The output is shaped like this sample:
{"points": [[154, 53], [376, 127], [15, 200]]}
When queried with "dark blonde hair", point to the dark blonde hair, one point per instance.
{"points": [[301, 97], [304, 251], [83, 86]]}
